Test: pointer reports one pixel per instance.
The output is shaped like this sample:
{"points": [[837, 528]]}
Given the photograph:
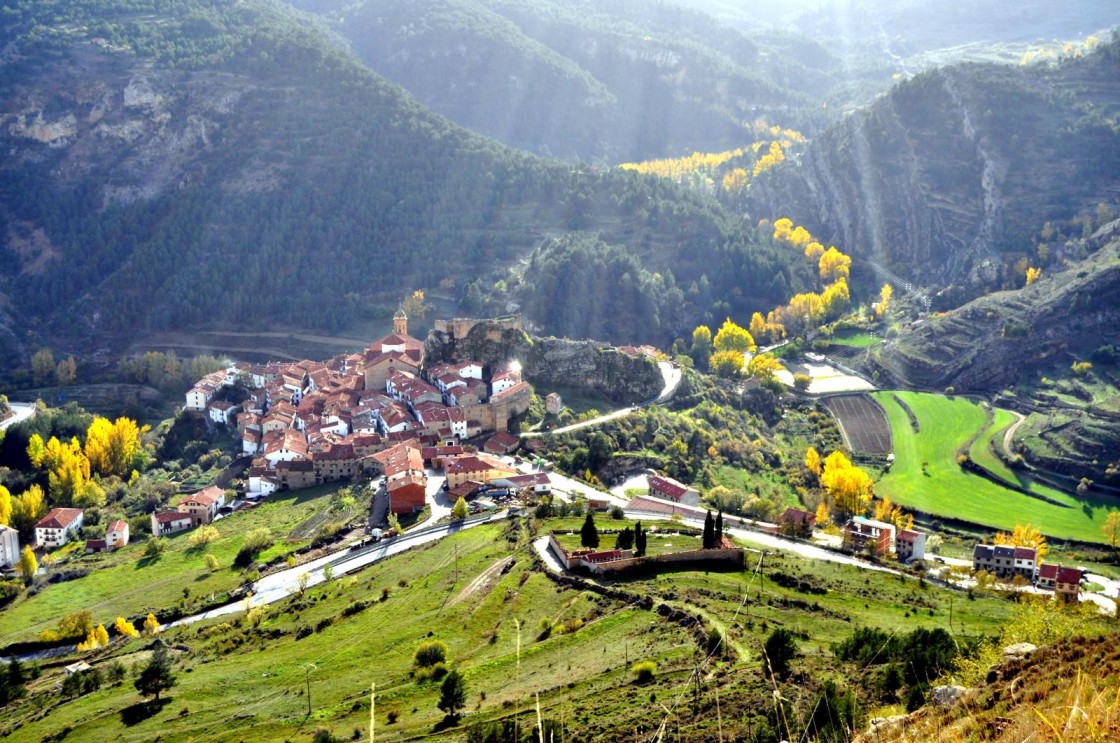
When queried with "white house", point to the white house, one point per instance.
{"points": [[116, 535], [9, 547], [56, 528], [169, 522], [222, 411], [910, 545]]}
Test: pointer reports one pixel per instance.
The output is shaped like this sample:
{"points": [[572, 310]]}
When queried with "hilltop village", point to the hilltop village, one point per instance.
{"points": [[310, 422]]}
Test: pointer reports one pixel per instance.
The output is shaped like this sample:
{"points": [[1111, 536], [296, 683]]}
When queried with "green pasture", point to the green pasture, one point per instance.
{"points": [[125, 583], [926, 477]]}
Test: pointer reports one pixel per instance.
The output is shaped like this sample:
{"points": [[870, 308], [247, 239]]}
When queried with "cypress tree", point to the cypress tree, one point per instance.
{"points": [[639, 540], [709, 537], [588, 533], [719, 529]]}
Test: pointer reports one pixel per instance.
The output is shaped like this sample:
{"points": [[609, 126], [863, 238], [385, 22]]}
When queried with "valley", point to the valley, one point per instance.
{"points": [[511, 371]]}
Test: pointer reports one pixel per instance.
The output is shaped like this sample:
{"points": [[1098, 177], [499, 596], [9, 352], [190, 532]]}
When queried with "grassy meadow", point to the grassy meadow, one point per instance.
{"points": [[925, 475], [245, 677], [125, 583]]}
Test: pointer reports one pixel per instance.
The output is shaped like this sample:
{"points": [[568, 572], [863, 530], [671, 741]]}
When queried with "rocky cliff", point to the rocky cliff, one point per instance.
{"points": [[945, 180], [987, 343], [549, 362]]}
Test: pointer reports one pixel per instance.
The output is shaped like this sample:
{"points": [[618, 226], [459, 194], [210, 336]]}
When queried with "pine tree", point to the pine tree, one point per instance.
{"points": [[157, 675], [709, 537], [453, 694], [588, 533]]}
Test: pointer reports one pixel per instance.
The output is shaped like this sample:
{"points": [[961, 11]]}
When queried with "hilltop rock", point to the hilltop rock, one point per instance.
{"points": [[548, 362]]}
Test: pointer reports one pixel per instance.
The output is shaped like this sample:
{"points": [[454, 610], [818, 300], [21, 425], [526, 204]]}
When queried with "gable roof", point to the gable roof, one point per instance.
{"points": [[117, 525], [59, 518], [208, 496], [667, 485]]}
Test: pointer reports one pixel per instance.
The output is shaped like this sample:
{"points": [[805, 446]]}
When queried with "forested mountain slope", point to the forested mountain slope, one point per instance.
{"points": [[202, 164], [948, 178], [609, 81]]}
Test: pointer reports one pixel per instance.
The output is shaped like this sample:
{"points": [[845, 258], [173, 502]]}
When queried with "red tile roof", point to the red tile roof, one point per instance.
{"points": [[667, 485], [59, 518], [206, 497]]}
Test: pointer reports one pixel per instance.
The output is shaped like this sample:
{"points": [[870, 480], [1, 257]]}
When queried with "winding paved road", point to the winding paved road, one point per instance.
{"points": [[280, 585], [22, 410], [672, 377]]}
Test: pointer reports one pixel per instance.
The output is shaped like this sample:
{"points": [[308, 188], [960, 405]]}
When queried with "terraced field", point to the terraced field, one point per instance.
{"points": [[926, 477]]}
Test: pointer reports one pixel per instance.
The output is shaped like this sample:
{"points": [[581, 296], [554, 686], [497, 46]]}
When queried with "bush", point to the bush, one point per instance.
{"points": [[431, 673], [203, 535], [303, 631], [430, 653], [644, 671]]}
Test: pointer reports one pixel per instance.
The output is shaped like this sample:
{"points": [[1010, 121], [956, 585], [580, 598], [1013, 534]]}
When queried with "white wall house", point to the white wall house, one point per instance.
{"points": [[56, 528]]}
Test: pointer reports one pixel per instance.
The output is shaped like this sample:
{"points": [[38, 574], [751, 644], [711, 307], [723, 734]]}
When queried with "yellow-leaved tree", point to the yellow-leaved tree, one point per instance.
{"points": [[732, 337], [5, 506], [125, 628], [151, 625], [765, 367], [1024, 535], [1033, 274], [834, 265], [813, 461], [849, 486], [112, 448], [824, 517], [758, 329], [884, 304], [892, 513], [836, 299]]}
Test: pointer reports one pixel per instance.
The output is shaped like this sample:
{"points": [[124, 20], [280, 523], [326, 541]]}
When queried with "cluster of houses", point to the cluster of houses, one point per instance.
{"points": [[1005, 562], [56, 529], [311, 422], [467, 474], [862, 534], [1008, 562]]}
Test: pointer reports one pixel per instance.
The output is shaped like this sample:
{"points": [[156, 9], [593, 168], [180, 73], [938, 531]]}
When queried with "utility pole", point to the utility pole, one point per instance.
{"points": [[307, 676]]}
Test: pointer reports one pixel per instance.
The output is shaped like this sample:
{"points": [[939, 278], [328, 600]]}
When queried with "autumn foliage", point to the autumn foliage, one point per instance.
{"points": [[849, 486]]}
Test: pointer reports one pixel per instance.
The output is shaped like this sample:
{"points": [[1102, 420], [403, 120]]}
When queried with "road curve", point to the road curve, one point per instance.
{"points": [[22, 411], [670, 373]]}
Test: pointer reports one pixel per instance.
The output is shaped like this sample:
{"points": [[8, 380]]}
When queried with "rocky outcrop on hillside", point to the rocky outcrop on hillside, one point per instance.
{"points": [[945, 180], [549, 362], [986, 344]]}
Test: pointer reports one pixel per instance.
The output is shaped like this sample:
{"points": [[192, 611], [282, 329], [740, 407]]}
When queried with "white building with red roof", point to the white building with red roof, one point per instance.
{"points": [[56, 528], [662, 486], [170, 522], [116, 534]]}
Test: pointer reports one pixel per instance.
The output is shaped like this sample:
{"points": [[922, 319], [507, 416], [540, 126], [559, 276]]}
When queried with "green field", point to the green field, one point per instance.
{"points": [[944, 489], [123, 583], [854, 339], [237, 682]]}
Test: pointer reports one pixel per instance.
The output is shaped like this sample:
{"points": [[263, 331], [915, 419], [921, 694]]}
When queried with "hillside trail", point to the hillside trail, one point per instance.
{"points": [[483, 578], [1009, 434]]}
